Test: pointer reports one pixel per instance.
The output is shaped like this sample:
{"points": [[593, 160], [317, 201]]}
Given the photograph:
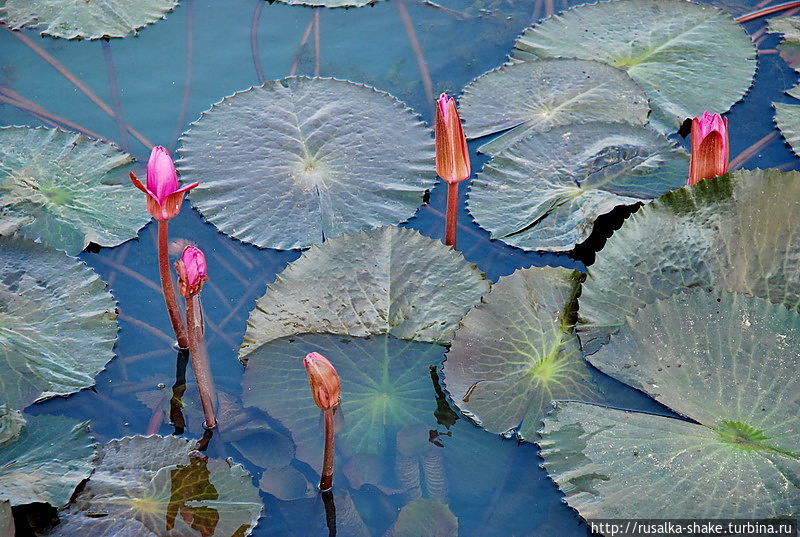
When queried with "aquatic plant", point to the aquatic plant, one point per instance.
{"points": [[452, 159], [710, 147], [326, 391]]}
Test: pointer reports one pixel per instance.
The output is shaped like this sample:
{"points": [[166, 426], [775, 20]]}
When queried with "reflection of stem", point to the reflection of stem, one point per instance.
{"points": [[451, 218], [317, 47], [166, 284], [178, 389], [301, 46], [187, 81], [199, 354], [202, 444], [330, 512], [115, 97], [767, 11], [326, 481], [417, 48], [254, 41]]}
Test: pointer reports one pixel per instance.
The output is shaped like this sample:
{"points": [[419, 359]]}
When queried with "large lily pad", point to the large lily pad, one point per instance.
{"points": [[57, 323], [787, 117], [735, 233], [729, 364], [536, 96], [66, 189], [671, 48], [300, 160], [42, 458], [545, 191], [155, 487], [389, 280], [517, 351], [84, 19]]}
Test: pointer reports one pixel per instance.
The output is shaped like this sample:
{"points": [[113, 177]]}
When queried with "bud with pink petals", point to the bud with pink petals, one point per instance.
{"points": [[164, 197], [324, 381], [452, 156], [710, 147], [191, 268]]}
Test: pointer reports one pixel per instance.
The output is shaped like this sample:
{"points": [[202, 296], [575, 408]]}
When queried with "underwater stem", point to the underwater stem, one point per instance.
{"points": [[199, 354], [451, 217], [326, 481], [767, 11], [166, 285]]}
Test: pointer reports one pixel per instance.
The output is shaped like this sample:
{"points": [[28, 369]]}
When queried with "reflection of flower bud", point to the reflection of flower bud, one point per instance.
{"points": [[164, 198], [452, 156], [191, 268], [710, 147], [324, 380]]}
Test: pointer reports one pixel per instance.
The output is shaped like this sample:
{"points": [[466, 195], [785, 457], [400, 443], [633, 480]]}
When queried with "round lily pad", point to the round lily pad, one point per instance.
{"points": [[300, 160], [72, 19], [156, 487], [671, 48], [516, 352], [388, 280], [42, 458], [66, 189], [425, 517], [57, 323], [728, 362], [787, 117], [545, 191], [535, 96]]}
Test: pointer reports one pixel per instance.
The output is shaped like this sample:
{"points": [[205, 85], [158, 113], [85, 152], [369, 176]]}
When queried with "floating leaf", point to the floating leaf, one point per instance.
{"points": [[424, 518], [6, 519], [533, 97], [516, 352], [330, 3], [155, 487], [42, 458], [300, 160], [66, 189], [57, 323], [789, 47], [787, 117], [84, 19], [545, 191], [388, 280], [286, 484], [728, 364], [673, 49]]}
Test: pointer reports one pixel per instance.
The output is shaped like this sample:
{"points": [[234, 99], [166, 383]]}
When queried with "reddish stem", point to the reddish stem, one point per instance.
{"points": [[451, 218], [166, 285], [767, 11], [326, 481], [199, 354]]}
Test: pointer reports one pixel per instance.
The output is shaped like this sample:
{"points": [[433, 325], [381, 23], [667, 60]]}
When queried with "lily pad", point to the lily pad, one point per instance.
{"points": [[568, 177], [330, 3], [300, 160], [787, 117], [155, 487], [57, 323], [424, 518], [84, 19], [671, 48], [516, 352], [789, 47], [42, 458], [734, 233], [6, 519], [66, 189], [729, 364], [533, 97], [389, 280]]}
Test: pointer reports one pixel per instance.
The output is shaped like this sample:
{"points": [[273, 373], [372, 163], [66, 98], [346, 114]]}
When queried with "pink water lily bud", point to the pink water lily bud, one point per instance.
{"points": [[710, 147], [191, 268], [324, 381], [452, 156], [164, 197]]}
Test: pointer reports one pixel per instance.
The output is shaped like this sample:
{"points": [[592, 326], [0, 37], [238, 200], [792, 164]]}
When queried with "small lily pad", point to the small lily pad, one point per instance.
{"points": [[787, 117], [300, 160], [389, 280], [671, 48], [57, 323], [66, 189], [545, 191], [425, 518], [84, 19], [533, 97], [516, 352]]}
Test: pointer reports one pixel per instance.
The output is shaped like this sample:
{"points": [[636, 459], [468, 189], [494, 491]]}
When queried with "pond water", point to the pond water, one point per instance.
{"points": [[160, 81]]}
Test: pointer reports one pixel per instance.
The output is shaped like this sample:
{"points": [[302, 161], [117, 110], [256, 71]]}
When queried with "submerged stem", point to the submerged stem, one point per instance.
{"points": [[166, 285], [451, 218], [767, 11], [199, 354], [326, 481]]}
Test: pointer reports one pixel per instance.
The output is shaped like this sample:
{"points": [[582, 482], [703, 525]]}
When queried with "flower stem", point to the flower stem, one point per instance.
{"points": [[326, 481], [451, 218], [767, 11], [199, 354], [167, 287]]}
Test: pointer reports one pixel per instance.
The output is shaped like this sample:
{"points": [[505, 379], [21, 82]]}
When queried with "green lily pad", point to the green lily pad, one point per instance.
{"points": [[84, 19], [300, 160], [424, 518], [728, 362], [66, 189], [57, 323], [156, 487], [388, 280], [671, 48], [734, 233], [789, 46], [533, 97], [516, 352], [42, 458], [570, 176], [787, 117]]}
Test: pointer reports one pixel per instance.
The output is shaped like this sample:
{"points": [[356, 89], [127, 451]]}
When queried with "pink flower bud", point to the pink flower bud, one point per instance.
{"points": [[710, 147], [164, 197], [324, 381], [191, 268], [452, 156]]}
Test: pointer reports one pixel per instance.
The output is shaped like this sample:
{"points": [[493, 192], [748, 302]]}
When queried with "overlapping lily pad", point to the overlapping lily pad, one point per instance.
{"points": [[517, 351], [545, 191], [300, 160], [84, 19], [57, 323], [787, 117], [789, 47], [671, 48], [42, 458], [388, 280], [154, 486], [66, 189], [535, 96], [728, 362]]}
